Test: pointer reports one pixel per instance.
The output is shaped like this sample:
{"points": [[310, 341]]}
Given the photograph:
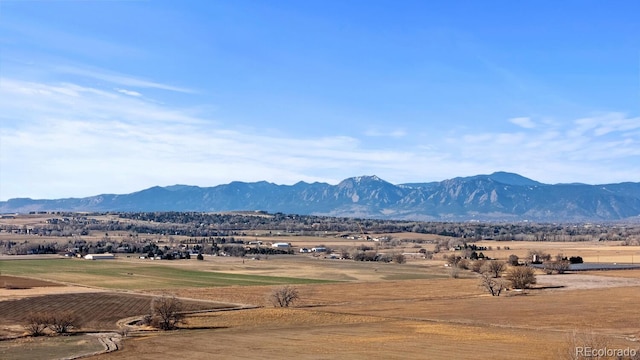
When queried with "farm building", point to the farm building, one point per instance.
{"points": [[99, 257], [281, 245]]}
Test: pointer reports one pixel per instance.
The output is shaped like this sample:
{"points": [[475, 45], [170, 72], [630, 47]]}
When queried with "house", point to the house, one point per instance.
{"points": [[100, 257]]}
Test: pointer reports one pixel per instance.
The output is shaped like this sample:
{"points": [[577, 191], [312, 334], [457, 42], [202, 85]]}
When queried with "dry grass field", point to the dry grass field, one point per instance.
{"points": [[60, 347], [592, 251], [631, 274], [347, 309], [434, 319], [310, 334], [358, 293]]}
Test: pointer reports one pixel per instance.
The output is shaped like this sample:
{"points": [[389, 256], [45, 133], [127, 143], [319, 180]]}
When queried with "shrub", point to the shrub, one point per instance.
{"points": [[584, 340], [477, 265], [358, 255], [576, 260], [463, 264], [146, 320], [399, 259]]}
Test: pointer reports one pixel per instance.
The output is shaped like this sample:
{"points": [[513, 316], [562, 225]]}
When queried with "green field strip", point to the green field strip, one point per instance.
{"points": [[116, 275]]}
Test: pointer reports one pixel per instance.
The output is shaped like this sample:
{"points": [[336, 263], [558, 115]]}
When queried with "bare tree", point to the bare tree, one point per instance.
{"points": [[61, 322], [562, 266], [166, 312], [491, 284], [494, 267], [478, 265], [559, 266], [454, 272], [36, 323], [452, 259], [284, 296], [399, 259], [521, 277], [464, 264]]}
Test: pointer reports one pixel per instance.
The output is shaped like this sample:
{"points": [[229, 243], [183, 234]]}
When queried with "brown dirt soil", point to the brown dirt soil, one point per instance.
{"points": [[13, 288], [14, 294], [96, 310], [274, 317], [9, 282]]}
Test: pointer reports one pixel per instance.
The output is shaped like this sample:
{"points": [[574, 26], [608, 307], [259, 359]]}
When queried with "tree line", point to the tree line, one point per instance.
{"points": [[195, 224]]}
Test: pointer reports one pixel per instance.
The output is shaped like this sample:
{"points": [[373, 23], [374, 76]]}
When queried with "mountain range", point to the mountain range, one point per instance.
{"points": [[500, 196]]}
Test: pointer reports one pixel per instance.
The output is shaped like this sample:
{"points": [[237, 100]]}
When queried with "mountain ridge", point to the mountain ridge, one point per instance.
{"points": [[500, 196]]}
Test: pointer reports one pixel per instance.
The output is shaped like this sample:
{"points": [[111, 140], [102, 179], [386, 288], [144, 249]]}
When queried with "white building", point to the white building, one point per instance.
{"points": [[281, 245], [100, 257]]}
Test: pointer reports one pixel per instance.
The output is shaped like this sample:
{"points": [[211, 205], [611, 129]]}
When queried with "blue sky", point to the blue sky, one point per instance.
{"points": [[117, 96]]}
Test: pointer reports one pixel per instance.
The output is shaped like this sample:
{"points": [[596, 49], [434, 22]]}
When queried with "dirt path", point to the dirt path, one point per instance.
{"points": [[110, 341]]}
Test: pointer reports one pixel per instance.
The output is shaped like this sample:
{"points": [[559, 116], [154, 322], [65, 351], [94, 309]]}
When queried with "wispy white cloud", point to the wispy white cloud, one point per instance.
{"points": [[395, 133], [398, 133], [605, 124], [524, 122], [575, 151], [118, 79], [86, 141], [128, 92], [64, 139]]}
